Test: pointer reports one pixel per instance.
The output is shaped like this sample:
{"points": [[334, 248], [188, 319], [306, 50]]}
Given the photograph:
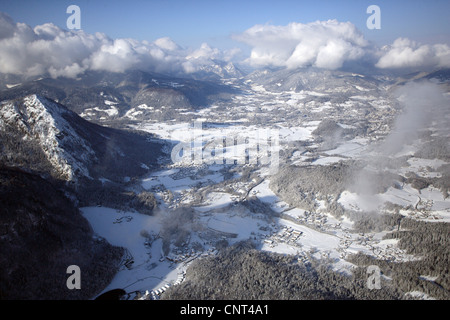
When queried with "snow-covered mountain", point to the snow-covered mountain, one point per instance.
{"points": [[36, 129], [280, 80], [47, 123], [106, 97]]}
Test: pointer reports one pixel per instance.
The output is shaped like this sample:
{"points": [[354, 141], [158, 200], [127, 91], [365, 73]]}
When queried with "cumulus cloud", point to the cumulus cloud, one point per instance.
{"points": [[168, 44], [48, 49], [404, 53], [323, 44], [207, 56]]}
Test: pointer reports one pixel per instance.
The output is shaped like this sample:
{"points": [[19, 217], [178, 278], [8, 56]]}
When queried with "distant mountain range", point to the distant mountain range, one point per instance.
{"points": [[133, 96], [108, 96]]}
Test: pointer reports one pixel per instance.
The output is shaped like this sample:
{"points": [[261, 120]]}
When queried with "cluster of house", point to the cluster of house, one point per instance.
{"points": [[156, 293], [178, 256], [318, 219], [388, 252], [288, 235]]}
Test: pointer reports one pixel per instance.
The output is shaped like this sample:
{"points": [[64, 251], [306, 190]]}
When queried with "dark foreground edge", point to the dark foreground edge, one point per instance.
{"points": [[223, 309]]}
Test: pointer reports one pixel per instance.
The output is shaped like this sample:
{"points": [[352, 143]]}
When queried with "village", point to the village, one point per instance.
{"points": [[286, 235], [235, 203], [156, 293]]}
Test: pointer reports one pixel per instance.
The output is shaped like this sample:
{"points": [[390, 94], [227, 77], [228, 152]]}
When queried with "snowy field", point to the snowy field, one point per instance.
{"points": [[124, 229]]}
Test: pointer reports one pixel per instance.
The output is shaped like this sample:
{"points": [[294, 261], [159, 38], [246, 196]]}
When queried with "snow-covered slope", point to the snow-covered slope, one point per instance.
{"points": [[46, 123], [35, 129]]}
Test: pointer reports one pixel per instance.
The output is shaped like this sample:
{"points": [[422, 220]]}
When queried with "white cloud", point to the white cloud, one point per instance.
{"points": [[206, 56], [46, 48], [50, 49], [324, 44], [404, 53], [117, 56], [205, 51], [167, 44]]}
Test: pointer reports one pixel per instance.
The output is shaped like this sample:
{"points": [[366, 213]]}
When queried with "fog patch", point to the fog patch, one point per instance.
{"points": [[424, 106], [176, 227]]}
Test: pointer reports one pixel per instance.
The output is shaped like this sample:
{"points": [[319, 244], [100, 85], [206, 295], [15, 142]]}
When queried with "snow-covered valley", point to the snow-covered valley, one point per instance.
{"points": [[232, 200]]}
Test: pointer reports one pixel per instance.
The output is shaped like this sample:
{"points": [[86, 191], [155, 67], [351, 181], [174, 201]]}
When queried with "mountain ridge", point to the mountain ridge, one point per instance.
{"points": [[74, 147]]}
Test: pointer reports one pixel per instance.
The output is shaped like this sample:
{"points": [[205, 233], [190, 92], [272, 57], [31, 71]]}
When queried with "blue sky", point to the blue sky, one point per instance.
{"points": [[192, 22]]}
